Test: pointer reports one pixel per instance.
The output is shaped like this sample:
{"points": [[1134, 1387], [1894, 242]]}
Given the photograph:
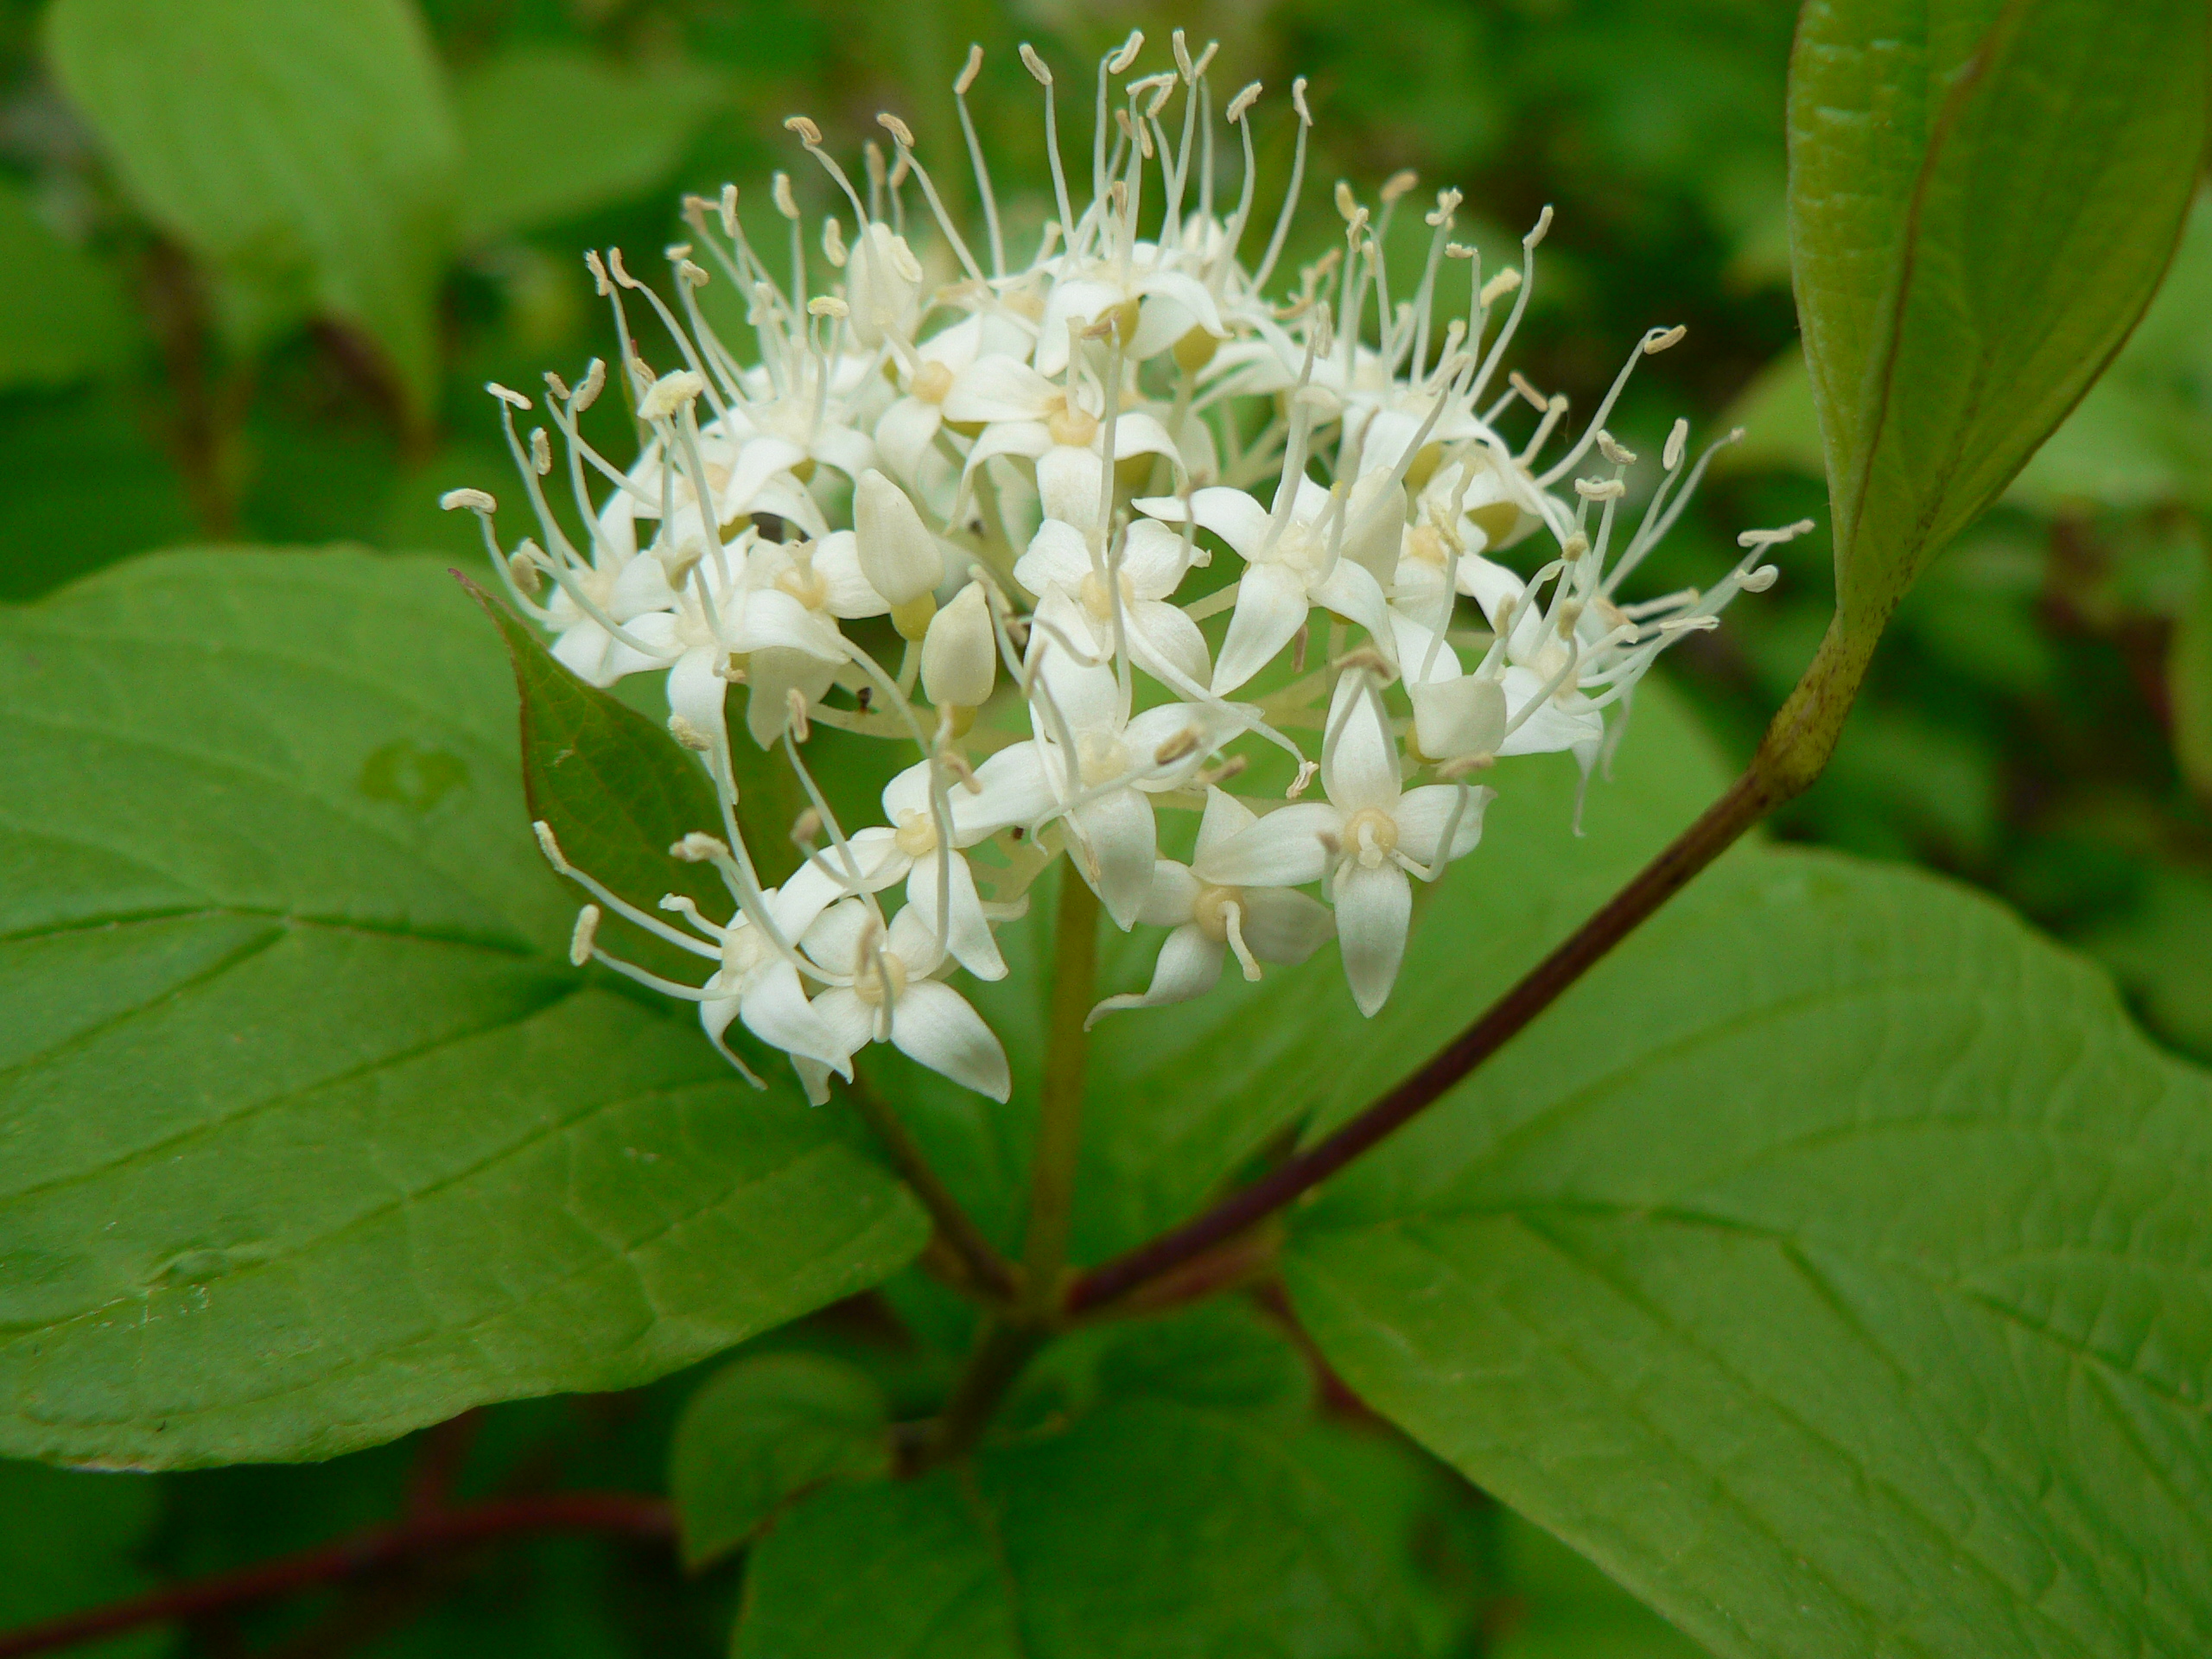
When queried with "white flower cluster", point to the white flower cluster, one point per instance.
{"points": [[1019, 466]]}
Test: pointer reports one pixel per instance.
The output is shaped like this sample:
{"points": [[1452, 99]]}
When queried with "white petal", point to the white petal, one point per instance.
{"points": [[1137, 432], [822, 881], [1280, 926], [1070, 483], [1489, 585], [758, 461], [933, 1023], [1013, 789], [775, 1009], [773, 619], [850, 1021], [1457, 718], [1225, 815], [581, 648], [903, 433], [1174, 891], [772, 674], [1057, 556], [1189, 966], [1117, 827], [968, 936], [1087, 695], [1359, 759], [1352, 593], [836, 560], [1271, 607], [1000, 389], [913, 939], [834, 939], [1374, 908], [1161, 635], [1283, 850], [1188, 293], [1153, 559], [1173, 726], [1234, 517], [1551, 727], [1075, 300], [697, 692], [1423, 813]]}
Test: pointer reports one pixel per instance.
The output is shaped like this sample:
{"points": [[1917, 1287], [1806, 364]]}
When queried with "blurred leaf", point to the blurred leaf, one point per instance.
{"points": [[1149, 1528], [549, 133], [1222, 1356], [2143, 436], [313, 1135], [2189, 681], [308, 152], [1984, 195], [764, 1431], [1780, 428], [1843, 1296], [62, 311], [2156, 949], [71, 1540], [82, 484]]}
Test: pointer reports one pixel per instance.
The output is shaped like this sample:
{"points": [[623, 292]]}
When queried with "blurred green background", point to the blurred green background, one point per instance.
{"points": [[257, 257]]}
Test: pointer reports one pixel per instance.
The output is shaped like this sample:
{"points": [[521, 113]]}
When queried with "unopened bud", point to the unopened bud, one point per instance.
{"points": [[1457, 720], [898, 555], [960, 656]]}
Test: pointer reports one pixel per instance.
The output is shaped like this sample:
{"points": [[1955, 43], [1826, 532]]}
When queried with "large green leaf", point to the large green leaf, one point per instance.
{"points": [[313, 1135], [550, 133], [61, 313], [1983, 196], [1152, 1528], [1831, 1265], [308, 151]]}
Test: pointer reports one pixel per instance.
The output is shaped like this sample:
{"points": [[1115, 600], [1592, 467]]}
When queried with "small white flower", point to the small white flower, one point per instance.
{"points": [[1259, 924], [894, 994], [1148, 564], [760, 986], [1028, 415], [1363, 840]]}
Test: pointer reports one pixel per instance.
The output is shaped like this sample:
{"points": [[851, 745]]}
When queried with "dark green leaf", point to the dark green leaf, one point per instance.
{"points": [[63, 449], [1564, 1608], [313, 1135], [616, 789], [1984, 195], [1830, 1266], [1149, 1528], [548, 134], [765, 1430], [306, 151], [61, 311], [69, 1542]]}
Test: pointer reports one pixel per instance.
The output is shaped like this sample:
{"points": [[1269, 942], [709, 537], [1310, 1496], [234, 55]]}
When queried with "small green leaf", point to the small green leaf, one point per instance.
{"points": [[70, 1541], [764, 1431], [1984, 195], [1830, 1266], [62, 311], [314, 1136], [616, 789], [308, 152], [548, 134], [2189, 681], [1149, 1528]]}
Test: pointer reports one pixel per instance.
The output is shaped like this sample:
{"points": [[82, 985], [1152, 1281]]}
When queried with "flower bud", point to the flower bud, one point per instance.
{"points": [[898, 555], [960, 657], [883, 285], [1458, 720]]}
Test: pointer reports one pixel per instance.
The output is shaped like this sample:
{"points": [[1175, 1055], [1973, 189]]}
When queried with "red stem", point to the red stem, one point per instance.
{"points": [[359, 1552]]}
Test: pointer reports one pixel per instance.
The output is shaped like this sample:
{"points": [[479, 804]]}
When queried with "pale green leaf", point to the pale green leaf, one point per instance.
{"points": [[1149, 1528], [549, 133], [306, 152], [1830, 1266], [314, 1136], [62, 311], [1984, 195], [764, 1431]]}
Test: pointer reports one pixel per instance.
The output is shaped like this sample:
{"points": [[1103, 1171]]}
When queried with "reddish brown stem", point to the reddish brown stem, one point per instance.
{"points": [[364, 1551]]}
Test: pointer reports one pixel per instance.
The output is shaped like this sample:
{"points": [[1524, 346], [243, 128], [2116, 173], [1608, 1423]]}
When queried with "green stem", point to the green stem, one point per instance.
{"points": [[1059, 1118], [996, 1361], [989, 1270]]}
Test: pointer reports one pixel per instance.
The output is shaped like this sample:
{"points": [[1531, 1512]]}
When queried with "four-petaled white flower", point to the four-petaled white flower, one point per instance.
{"points": [[1259, 924], [891, 989], [1362, 842], [1147, 568]]}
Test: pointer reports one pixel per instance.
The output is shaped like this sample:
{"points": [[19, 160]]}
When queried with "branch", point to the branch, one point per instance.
{"points": [[364, 1551], [974, 1252], [1794, 753]]}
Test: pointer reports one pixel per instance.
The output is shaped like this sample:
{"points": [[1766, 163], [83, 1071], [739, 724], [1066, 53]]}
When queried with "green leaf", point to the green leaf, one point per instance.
{"points": [[1150, 1528], [616, 789], [548, 134], [1830, 1266], [764, 1431], [62, 311], [1984, 195], [313, 1135], [2189, 681], [1565, 1608], [69, 1542], [306, 152]]}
